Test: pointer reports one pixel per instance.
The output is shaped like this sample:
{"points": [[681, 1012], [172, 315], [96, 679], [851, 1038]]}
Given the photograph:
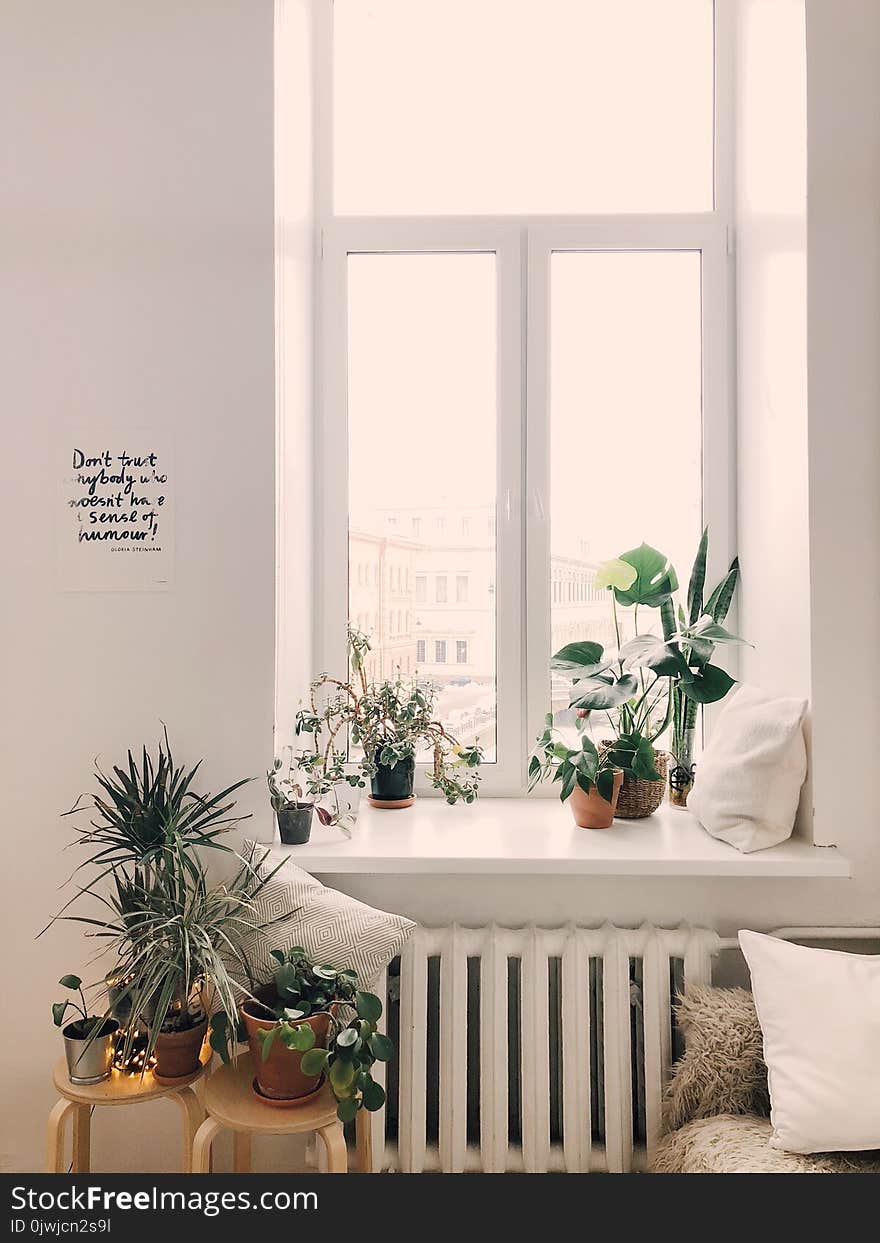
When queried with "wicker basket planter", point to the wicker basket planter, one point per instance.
{"points": [[638, 798]]}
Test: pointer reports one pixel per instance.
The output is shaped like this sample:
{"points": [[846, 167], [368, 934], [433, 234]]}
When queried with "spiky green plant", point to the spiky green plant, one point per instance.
{"points": [[177, 945], [149, 818]]}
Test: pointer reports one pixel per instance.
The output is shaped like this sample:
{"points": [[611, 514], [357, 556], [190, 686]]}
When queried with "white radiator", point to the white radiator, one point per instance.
{"points": [[532, 1049]]}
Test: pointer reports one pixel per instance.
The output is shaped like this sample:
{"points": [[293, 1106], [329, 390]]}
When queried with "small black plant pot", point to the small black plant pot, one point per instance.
{"points": [[393, 787], [295, 824]]}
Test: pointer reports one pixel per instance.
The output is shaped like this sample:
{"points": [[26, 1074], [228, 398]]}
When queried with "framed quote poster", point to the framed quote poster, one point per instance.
{"points": [[116, 511]]}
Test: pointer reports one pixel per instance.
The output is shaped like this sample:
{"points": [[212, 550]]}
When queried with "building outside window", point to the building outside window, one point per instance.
{"points": [[440, 589], [440, 651], [461, 651], [461, 589]]}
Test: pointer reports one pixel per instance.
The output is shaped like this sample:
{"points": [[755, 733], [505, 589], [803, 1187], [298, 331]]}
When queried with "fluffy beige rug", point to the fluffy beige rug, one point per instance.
{"points": [[739, 1144], [722, 1070]]}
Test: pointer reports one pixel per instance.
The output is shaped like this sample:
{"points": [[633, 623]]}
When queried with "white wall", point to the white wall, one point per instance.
{"points": [[136, 227], [843, 45], [137, 231], [771, 321]]}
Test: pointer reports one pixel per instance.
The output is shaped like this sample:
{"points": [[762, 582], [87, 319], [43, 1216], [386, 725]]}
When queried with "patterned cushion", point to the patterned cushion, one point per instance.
{"points": [[722, 1070], [332, 927], [729, 1144]]}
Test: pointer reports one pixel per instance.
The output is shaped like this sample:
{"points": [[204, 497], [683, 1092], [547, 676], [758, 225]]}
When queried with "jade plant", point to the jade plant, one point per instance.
{"points": [[390, 721]]}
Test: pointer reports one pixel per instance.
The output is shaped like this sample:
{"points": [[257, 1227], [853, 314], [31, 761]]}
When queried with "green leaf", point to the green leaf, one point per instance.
{"points": [[585, 782], [372, 1095], [615, 573], [709, 685], [711, 631], [698, 578], [342, 1075], [586, 656], [718, 604], [346, 1110], [278, 955], [605, 784], [314, 1061], [381, 1047], [655, 581], [268, 1037], [643, 762], [59, 1009], [664, 659], [368, 1007], [596, 694], [300, 1039], [70, 981], [347, 1037]]}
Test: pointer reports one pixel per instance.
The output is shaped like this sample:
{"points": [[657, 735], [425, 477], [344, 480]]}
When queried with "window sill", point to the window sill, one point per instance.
{"points": [[509, 836]]}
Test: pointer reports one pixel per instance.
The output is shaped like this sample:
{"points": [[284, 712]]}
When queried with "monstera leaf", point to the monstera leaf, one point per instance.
{"points": [[664, 659], [615, 573], [601, 693], [655, 579], [580, 659]]}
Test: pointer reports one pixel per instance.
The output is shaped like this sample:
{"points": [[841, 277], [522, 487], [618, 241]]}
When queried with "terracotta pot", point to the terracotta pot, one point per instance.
{"points": [[592, 811], [178, 1053], [280, 1077]]}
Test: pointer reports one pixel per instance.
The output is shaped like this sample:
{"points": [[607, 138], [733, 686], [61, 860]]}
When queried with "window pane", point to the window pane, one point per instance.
{"points": [[625, 427], [422, 385], [470, 106]]}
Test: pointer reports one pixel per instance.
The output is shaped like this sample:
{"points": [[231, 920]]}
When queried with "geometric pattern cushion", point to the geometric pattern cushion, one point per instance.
{"points": [[332, 928], [740, 1144]]}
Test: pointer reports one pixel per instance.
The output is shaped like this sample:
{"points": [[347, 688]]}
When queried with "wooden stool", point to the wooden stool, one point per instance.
{"points": [[78, 1101], [231, 1105]]}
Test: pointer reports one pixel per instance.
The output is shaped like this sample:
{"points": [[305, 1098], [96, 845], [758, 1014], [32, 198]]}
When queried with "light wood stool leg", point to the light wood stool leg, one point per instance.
{"points": [[58, 1116], [241, 1152], [334, 1145], [193, 1117], [363, 1128], [201, 1149], [82, 1138]]}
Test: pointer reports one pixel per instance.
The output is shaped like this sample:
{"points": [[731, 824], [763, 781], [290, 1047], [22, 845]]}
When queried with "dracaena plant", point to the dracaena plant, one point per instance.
{"points": [[390, 721], [177, 944], [148, 818], [303, 989]]}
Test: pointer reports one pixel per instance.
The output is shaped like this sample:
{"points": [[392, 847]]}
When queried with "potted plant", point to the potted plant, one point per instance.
{"points": [[650, 677], [175, 939], [390, 721], [88, 1040], [293, 810], [296, 1037], [588, 778]]}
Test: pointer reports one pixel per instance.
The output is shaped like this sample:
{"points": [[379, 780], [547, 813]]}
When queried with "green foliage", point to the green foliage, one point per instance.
{"points": [[650, 681], [60, 1008], [391, 721], [303, 989]]}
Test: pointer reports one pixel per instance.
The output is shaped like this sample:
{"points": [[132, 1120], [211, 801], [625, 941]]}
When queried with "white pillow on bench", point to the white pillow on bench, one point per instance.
{"points": [[819, 1012]]}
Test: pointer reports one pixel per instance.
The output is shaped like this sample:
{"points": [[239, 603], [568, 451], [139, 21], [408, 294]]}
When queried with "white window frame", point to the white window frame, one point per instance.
{"points": [[523, 246]]}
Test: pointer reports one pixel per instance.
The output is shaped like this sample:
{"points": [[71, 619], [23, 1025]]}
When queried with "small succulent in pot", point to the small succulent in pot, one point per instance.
{"points": [[88, 1039], [296, 1034], [588, 777]]}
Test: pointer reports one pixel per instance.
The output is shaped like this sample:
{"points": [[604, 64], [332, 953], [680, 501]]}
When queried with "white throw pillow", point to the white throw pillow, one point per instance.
{"points": [[819, 1012], [330, 926], [748, 780]]}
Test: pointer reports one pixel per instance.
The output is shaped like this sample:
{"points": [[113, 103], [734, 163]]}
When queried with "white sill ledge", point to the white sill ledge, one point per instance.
{"points": [[518, 836]]}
